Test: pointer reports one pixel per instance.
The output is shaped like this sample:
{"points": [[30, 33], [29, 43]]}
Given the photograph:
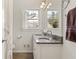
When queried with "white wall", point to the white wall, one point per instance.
{"points": [[69, 48], [19, 7]]}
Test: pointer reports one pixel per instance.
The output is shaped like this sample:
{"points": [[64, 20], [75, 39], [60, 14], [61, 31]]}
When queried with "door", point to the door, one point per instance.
{"points": [[7, 29]]}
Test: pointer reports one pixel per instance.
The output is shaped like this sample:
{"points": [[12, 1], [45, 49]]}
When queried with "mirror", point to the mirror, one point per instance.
{"points": [[52, 17], [54, 12]]}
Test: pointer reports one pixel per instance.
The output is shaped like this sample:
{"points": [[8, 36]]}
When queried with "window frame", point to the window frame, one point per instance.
{"points": [[38, 20]]}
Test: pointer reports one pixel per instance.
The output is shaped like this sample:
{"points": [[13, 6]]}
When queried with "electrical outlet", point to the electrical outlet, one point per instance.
{"points": [[28, 45], [24, 45]]}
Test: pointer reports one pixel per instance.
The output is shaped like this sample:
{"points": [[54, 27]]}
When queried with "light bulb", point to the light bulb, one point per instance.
{"points": [[50, 4], [43, 3], [41, 6]]}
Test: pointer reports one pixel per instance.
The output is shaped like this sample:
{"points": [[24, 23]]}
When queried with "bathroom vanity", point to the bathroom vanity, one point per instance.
{"points": [[44, 48]]}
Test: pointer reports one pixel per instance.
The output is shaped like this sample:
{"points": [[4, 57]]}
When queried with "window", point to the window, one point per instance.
{"points": [[31, 19]]}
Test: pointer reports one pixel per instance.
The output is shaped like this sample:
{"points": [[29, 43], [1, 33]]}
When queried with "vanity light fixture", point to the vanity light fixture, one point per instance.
{"points": [[45, 4], [42, 5], [49, 5]]}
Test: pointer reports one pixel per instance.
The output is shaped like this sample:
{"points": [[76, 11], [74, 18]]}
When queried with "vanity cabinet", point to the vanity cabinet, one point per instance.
{"points": [[50, 51], [47, 51], [36, 51]]}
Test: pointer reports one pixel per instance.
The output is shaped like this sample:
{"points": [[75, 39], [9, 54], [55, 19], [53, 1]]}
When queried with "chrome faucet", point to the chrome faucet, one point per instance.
{"points": [[49, 32]]}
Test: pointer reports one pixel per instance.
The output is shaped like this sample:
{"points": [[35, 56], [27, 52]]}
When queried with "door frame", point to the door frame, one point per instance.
{"points": [[8, 27]]}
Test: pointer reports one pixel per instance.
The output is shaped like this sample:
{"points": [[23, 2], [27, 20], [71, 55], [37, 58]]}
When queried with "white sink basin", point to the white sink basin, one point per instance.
{"points": [[45, 39]]}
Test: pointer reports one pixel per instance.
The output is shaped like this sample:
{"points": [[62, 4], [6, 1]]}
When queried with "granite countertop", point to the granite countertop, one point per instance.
{"points": [[47, 40]]}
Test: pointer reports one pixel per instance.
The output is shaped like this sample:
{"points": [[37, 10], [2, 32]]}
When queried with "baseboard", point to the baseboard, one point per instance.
{"points": [[22, 51]]}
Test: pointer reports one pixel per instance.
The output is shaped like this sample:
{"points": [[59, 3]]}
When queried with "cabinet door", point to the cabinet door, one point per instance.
{"points": [[36, 51], [51, 51]]}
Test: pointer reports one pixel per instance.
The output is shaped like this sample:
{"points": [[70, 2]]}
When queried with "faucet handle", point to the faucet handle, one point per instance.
{"points": [[49, 32]]}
